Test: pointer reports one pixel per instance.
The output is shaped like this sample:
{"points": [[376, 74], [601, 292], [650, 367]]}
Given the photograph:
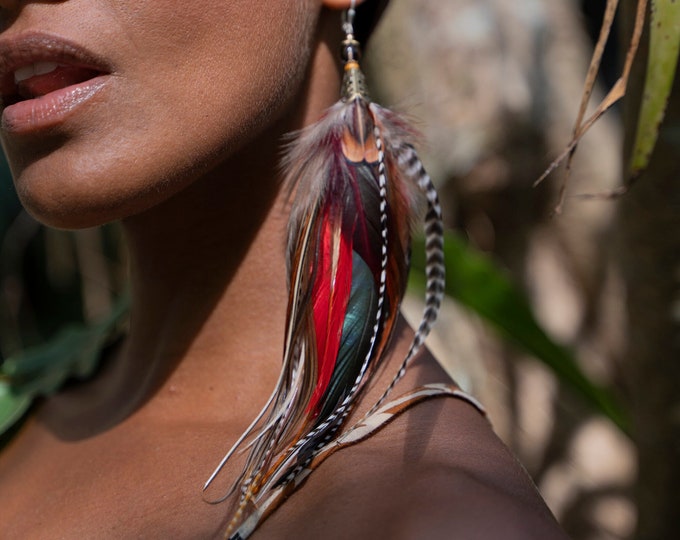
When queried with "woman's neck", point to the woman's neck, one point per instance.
{"points": [[208, 282], [209, 290]]}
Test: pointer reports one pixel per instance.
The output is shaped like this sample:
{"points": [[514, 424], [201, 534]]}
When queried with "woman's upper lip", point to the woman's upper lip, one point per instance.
{"points": [[31, 47]]}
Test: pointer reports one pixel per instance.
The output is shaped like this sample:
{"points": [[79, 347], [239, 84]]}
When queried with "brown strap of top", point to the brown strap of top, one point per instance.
{"points": [[366, 427]]}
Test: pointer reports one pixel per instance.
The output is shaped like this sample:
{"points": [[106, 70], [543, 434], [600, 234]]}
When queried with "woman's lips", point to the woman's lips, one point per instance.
{"points": [[44, 79], [40, 84], [49, 110]]}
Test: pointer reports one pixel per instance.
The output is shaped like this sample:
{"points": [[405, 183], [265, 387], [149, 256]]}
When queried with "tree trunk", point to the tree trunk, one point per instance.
{"points": [[649, 255]]}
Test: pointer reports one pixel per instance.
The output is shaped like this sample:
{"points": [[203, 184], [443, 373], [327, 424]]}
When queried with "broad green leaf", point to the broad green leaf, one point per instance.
{"points": [[664, 45], [41, 370], [476, 282]]}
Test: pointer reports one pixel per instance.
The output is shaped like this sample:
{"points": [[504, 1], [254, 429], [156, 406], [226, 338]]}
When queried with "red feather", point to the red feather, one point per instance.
{"points": [[331, 291]]}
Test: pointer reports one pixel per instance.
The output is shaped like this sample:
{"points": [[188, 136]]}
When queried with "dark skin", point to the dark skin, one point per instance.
{"points": [[197, 190]]}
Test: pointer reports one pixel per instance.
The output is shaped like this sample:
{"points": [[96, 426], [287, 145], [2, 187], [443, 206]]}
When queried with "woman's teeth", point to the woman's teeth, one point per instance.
{"points": [[39, 68]]}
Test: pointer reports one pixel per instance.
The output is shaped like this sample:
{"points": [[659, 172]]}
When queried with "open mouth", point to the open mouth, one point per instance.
{"points": [[34, 65], [41, 78]]}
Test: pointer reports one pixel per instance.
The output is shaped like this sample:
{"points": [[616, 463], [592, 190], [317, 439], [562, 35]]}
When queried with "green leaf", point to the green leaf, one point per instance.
{"points": [[476, 282], [43, 369], [664, 46], [40, 371], [12, 406]]}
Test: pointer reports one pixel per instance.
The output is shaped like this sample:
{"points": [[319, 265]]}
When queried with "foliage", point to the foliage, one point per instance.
{"points": [[74, 352], [664, 45], [664, 37], [480, 285]]}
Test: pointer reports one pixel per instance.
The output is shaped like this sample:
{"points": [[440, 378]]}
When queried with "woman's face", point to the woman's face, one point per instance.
{"points": [[110, 106]]}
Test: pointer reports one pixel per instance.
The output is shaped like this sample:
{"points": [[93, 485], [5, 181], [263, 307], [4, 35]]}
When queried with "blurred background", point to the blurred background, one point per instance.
{"points": [[564, 326]]}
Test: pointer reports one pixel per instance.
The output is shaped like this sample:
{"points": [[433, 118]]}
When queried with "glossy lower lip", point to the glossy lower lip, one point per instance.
{"points": [[50, 110]]}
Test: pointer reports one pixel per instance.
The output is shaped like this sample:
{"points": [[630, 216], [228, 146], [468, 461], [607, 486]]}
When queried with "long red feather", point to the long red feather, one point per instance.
{"points": [[331, 290]]}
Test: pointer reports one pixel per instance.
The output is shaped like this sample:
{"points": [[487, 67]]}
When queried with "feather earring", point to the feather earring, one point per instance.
{"points": [[357, 184]]}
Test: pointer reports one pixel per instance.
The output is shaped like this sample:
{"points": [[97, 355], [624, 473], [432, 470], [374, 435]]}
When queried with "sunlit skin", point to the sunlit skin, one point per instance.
{"points": [[180, 141]]}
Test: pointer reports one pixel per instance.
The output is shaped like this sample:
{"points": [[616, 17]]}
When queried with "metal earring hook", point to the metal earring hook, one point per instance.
{"points": [[348, 19]]}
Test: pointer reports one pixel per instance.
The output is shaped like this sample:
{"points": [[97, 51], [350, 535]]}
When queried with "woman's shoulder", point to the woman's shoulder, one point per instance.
{"points": [[435, 471]]}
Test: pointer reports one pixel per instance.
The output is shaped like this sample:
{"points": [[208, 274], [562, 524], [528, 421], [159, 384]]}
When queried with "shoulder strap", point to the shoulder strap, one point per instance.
{"points": [[365, 428]]}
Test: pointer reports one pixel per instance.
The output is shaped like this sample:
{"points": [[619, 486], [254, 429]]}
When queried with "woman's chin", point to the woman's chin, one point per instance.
{"points": [[80, 193], [66, 203], [70, 217]]}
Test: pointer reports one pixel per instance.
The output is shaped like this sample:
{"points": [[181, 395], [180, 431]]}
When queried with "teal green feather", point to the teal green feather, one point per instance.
{"points": [[357, 333]]}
